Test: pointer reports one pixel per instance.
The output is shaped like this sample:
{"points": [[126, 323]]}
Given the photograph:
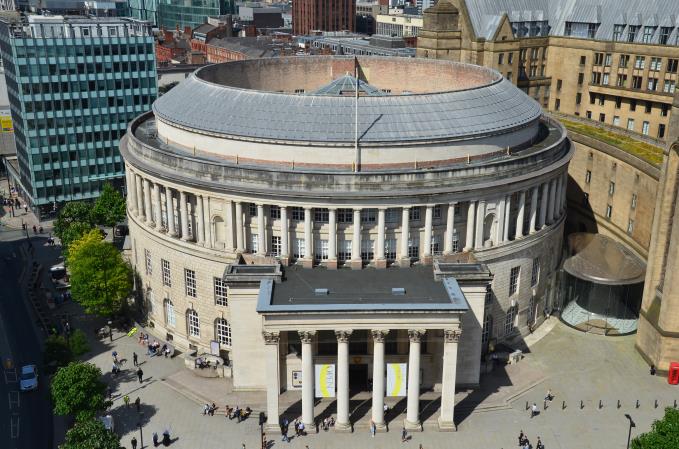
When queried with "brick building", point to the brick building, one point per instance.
{"points": [[323, 15]]}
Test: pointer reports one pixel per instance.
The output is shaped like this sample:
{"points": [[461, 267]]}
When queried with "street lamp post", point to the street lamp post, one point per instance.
{"points": [[631, 424], [141, 433]]}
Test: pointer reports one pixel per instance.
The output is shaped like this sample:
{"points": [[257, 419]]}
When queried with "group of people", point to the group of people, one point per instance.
{"points": [[237, 413], [166, 439], [328, 422], [202, 362], [117, 363], [524, 443]]}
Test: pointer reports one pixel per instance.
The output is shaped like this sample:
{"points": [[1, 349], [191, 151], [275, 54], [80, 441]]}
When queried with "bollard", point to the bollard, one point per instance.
{"points": [[563, 405], [582, 404], [675, 403], [618, 403], [655, 404], [601, 405], [637, 403], [527, 405]]}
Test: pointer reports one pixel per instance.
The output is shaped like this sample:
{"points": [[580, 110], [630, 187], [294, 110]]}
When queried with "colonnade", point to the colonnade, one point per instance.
{"points": [[195, 223], [451, 339]]}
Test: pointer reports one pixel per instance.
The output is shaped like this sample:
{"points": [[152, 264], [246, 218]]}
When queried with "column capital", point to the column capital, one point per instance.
{"points": [[271, 337], [415, 335], [407, 207], [307, 207], [452, 335], [306, 336], [343, 336], [452, 203], [379, 335], [382, 208]]}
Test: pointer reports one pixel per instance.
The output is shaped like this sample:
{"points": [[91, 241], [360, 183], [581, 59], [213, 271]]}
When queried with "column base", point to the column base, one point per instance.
{"points": [[307, 263], [356, 264], [331, 264], [427, 260], [446, 426], [381, 427], [273, 427], [343, 427], [404, 262], [381, 263], [172, 234], [412, 426]]}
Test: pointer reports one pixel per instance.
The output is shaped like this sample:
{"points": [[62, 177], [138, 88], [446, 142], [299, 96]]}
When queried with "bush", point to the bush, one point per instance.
{"points": [[78, 343]]}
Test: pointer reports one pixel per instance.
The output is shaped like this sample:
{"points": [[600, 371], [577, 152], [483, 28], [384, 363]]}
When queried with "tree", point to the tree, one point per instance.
{"points": [[73, 221], [57, 351], [77, 390], [90, 434], [100, 278], [664, 433], [109, 208], [78, 344]]}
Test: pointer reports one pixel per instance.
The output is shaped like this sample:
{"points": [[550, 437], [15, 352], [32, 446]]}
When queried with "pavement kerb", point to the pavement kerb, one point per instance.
{"points": [[188, 394]]}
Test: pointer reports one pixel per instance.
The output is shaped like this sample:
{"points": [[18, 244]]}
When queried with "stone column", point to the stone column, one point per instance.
{"points": [[380, 261], [412, 421], [552, 198], [131, 192], [308, 260], [332, 239], [273, 385], [148, 210], [448, 378], [450, 225], [378, 378], [261, 232], [140, 197], [306, 338], [184, 216], [543, 206], [157, 208], [559, 195], [240, 232], [469, 240], [169, 205], [533, 210], [564, 192], [404, 260], [499, 234], [342, 423], [228, 222], [285, 235], [200, 221], [480, 217], [519, 216], [426, 251], [356, 262], [508, 214]]}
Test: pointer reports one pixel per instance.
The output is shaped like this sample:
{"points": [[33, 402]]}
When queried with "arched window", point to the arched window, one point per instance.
{"points": [[170, 319], [218, 230], [192, 323], [223, 332]]}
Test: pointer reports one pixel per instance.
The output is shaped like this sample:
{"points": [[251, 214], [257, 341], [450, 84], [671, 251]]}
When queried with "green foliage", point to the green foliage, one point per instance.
{"points": [[663, 435], [78, 343], [57, 351], [74, 220], [100, 278], [77, 390], [90, 434], [109, 208], [167, 87]]}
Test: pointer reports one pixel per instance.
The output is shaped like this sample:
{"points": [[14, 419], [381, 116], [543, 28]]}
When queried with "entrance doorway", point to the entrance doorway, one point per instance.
{"points": [[358, 377]]}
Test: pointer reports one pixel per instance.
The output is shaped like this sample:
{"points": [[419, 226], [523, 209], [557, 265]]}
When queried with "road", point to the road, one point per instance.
{"points": [[25, 418]]}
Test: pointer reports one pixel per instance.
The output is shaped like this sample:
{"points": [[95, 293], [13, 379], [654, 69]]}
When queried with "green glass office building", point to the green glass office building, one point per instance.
{"points": [[74, 83], [144, 10], [173, 14]]}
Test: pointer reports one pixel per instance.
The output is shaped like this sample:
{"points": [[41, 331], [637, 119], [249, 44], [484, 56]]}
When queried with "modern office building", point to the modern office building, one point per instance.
{"points": [[144, 10], [73, 85], [179, 14], [323, 15], [611, 61]]}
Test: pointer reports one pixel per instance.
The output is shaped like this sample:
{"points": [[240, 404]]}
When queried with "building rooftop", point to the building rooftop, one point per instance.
{"points": [[405, 289]]}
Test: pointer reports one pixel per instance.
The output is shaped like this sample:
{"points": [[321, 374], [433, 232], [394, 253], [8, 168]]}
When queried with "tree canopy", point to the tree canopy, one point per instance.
{"points": [[100, 278], [78, 390], [664, 433], [90, 434], [74, 220], [109, 208]]}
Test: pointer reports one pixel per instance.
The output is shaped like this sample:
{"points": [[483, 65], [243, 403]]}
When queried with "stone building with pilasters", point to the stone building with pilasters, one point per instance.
{"points": [[255, 187]]}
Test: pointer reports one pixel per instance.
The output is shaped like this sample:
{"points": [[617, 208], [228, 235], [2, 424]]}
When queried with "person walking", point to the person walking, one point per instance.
{"points": [[539, 444], [134, 443], [533, 410], [137, 403], [135, 359], [140, 374], [373, 428], [126, 399], [521, 437], [155, 439], [206, 409], [404, 435]]}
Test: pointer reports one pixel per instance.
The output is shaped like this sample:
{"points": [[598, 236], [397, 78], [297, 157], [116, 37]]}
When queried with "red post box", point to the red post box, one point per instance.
{"points": [[673, 375]]}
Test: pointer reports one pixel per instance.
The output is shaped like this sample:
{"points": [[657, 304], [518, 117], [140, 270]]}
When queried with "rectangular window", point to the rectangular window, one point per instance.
{"points": [[149, 266], [436, 244], [456, 241], [652, 84], [321, 215], [368, 215], [344, 250], [598, 58], [390, 249], [221, 292], [664, 35], [535, 272], [254, 243], [275, 212], [632, 31], [297, 213], [622, 80], [514, 280], [633, 105], [624, 60], [299, 249], [581, 78], [588, 176], [672, 65], [596, 77], [436, 212], [578, 98], [252, 209], [559, 83], [190, 282], [165, 268], [530, 316], [661, 131], [609, 211], [367, 250], [605, 79], [194, 324], [509, 321], [170, 318], [275, 245], [607, 60], [669, 86], [636, 82], [656, 64], [392, 215], [500, 59], [510, 58], [414, 214], [640, 62], [645, 126], [487, 327], [618, 102], [321, 250], [414, 248], [583, 60], [630, 124], [345, 216], [616, 120], [611, 188], [648, 35], [617, 32]]}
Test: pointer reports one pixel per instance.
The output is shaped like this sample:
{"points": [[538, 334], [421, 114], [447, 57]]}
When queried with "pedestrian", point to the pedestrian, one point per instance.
{"points": [[140, 374], [137, 402], [301, 429], [404, 435], [134, 443], [521, 437], [135, 359], [539, 444], [115, 356], [155, 439], [295, 424], [126, 399], [206, 408], [421, 447], [653, 370], [115, 369], [533, 410], [373, 428], [243, 446], [166, 438]]}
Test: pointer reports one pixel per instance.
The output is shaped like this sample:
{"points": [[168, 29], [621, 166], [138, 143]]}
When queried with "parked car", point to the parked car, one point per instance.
{"points": [[29, 378]]}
